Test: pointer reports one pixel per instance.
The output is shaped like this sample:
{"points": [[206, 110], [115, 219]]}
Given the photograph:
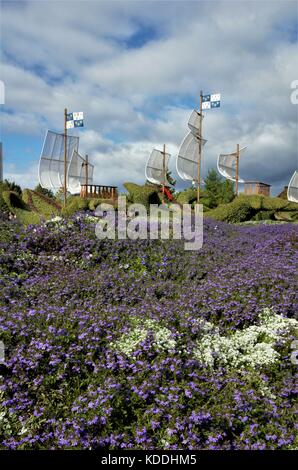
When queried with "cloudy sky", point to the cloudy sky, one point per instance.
{"points": [[136, 68]]}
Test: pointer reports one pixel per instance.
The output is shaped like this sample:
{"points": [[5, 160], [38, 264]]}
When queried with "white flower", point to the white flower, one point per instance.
{"points": [[129, 342], [252, 347], [54, 220]]}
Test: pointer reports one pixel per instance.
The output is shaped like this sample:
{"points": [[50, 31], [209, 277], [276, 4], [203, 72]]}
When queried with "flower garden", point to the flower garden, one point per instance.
{"points": [[142, 345]]}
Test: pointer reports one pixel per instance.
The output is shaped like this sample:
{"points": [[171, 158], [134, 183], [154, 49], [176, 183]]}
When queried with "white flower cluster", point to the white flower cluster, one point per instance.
{"points": [[91, 219], [253, 347], [54, 220], [129, 342]]}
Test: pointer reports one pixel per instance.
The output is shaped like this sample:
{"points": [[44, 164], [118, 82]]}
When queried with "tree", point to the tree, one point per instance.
{"points": [[11, 186], [46, 192], [227, 192], [218, 191]]}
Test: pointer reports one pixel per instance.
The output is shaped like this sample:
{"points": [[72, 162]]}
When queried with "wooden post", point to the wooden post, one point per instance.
{"points": [[65, 155], [237, 167], [200, 147], [86, 168], [163, 172]]}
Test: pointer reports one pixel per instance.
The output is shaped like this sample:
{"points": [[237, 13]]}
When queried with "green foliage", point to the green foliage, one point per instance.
{"points": [[10, 186], [76, 204], [145, 195], [234, 212], [288, 216], [14, 201], [257, 208], [4, 211], [46, 192], [188, 196], [28, 217], [218, 191], [20, 209], [226, 193], [255, 200], [41, 204], [264, 215], [93, 203], [276, 203]]}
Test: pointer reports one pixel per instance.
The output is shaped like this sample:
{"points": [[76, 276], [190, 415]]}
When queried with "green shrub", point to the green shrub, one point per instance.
{"points": [[20, 209], [45, 192], [13, 201], [274, 203], [41, 204], [93, 203], [236, 211], [255, 201], [188, 196], [28, 217], [10, 186], [255, 207], [288, 216], [45, 205], [264, 215], [76, 204], [145, 195], [4, 210]]}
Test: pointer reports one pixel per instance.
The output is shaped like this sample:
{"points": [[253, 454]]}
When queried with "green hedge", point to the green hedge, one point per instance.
{"points": [[277, 204], [41, 204], [234, 212], [244, 208], [19, 208], [145, 195], [95, 202], [255, 201], [4, 210], [13, 201], [264, 215], [188, 196], [288, 216], [76, 204]]}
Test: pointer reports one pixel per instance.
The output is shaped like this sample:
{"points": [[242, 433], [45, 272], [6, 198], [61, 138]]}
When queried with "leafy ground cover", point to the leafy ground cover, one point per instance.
{"points": [[256, 208], [139, 344]]}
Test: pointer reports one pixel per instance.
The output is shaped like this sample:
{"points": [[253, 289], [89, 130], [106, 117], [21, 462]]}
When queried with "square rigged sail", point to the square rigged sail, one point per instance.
{"points": [[157, 168]]}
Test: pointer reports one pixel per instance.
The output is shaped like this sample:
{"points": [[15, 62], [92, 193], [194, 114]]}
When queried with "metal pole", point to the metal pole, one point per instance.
{"points": [[65, 155], [237, 167], [163, 172], [200, 147]]}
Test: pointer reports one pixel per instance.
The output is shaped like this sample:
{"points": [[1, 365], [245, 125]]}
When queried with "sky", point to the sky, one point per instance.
{"points": [[136, 68]]}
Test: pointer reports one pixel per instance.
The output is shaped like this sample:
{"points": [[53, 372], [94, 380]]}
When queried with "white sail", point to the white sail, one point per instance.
{"points": [[76, 173], [194, 123], [157, 167], [292, 193], [188, 156], [51, 164], [226, 165]]}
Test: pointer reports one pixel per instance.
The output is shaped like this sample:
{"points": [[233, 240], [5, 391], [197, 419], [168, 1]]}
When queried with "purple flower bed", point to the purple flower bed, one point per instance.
{"points": [[70, 301]]}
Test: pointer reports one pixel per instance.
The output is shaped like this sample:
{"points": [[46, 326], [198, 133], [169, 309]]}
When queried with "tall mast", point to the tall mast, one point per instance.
{"points": [[163, 172], [65, 154], [237, 167], [86, 170], [200, 147]]}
